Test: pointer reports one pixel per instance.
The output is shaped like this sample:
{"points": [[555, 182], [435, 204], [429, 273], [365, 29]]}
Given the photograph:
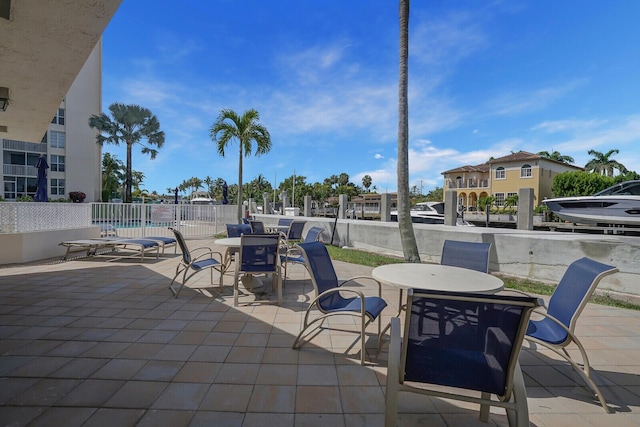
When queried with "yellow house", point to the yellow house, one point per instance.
{"points": [[503, 177]]}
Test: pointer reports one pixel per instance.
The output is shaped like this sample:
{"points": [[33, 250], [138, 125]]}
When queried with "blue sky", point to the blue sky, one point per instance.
{"points": [[485, 79]]}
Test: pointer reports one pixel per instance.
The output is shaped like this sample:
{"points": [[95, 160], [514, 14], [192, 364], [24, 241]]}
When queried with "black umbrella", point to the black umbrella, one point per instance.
{"points": [[225, 190], [41, 192], [175, 199]]}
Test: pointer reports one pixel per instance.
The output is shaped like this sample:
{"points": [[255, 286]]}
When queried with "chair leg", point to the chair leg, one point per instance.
{"points": [[393, 375], [519, 397]]}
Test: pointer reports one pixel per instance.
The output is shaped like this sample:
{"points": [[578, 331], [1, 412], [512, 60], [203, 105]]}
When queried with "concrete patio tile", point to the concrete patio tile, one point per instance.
{"points": [[136, 394], [198, 372], [45, 392], [272, 420], [109, 417], [91, 393], [320, 420], [69, 417], [318, 399], [218, 419], [158, 370], [317, 375], [272, 398], [227, 398]]}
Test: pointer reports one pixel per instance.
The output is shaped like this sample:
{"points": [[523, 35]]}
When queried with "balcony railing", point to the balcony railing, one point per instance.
{"points": [[477, 183], [19, 170]]}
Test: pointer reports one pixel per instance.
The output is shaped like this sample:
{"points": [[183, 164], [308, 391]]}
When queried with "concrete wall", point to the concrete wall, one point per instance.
{"points": [[16, 248], [538, 255]]}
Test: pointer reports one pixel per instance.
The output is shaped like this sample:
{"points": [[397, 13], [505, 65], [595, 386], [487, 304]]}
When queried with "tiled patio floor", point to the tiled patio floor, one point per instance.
{"points": [[96, 343]]}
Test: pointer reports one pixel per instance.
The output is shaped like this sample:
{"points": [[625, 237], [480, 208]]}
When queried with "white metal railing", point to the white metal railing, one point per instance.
{"points": [[127, 220], [130, 220]]}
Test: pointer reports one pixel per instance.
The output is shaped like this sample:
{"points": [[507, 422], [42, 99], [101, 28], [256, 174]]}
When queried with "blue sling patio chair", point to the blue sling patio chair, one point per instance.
{"points": [[235, 230], [293, 234], [257, 227], [294, 256], [456, 341], [258, 254], [328, 295], [190, 265], [471, 255], [556, 329]]}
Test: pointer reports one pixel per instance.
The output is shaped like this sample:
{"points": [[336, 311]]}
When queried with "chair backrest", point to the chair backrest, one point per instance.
{"points": [[295, 230], [464, 340], [313, 234], [237, 230], [575, 289], [323, 275], [285, 222], [186, 255], [257, 227], [471, 255], [259, 253]]}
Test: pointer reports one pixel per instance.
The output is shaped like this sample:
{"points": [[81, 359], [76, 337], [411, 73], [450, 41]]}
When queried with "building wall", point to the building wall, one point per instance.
{"points": [[82, 156], [83, 100]]}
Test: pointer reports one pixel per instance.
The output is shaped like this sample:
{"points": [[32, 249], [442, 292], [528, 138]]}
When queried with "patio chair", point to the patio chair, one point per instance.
{"points": [[258, 254], [294, 233], [294, 256], [461, 341], [471, 255], [257, 227], [328, 295], [556, 329], [235, 230], [190, 264], [284, 222]]}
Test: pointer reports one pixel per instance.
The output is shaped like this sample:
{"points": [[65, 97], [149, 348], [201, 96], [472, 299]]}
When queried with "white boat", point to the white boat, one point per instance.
{"points": [[429, 213], [202, 201], [616, 205]]}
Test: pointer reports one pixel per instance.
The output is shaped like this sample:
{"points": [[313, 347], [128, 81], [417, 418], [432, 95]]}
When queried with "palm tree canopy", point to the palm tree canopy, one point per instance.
{"points": [[555, 155], [603, 164], [129, 124]]}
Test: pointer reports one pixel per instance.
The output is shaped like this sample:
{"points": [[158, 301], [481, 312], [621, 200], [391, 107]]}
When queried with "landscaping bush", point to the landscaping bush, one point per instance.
{"points": [[77, 196]]}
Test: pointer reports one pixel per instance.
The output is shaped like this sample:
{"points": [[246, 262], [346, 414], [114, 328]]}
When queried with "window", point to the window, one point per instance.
{"points": [[57, 187], [515, 196], [499, 199], [57, 163], [57, 139], [525, 171], [58, 119], [500, 173]]}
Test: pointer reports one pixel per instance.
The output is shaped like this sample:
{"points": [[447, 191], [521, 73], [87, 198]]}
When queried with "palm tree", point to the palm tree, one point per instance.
{"points": [[246, 129], [603, 164], [555, 155], [407, 236], [366, 182], [129, 124]]}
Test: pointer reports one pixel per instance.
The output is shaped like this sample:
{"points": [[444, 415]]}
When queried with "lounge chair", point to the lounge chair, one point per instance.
{"points": [[329, 300], [455, 341], [91, 246], [556, 329]]}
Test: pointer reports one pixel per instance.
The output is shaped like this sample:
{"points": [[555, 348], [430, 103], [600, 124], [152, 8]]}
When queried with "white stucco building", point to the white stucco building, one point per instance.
{"points": [[69, 144]]}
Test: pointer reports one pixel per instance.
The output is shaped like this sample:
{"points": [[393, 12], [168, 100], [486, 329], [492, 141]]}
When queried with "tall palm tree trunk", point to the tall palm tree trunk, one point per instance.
{"points": [[129, 178], [240, 213], [407, 236]]}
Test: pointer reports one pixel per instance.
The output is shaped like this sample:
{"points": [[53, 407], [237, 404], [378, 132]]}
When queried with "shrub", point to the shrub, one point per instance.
{"points": [[77, 196], [24, 199]]}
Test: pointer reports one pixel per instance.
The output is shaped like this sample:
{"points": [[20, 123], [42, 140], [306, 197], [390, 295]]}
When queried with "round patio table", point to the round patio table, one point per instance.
{"points": [[434, 277]]}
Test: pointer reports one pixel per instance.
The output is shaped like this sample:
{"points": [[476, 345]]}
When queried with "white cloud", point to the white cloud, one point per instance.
{"points": [[378, 156]]}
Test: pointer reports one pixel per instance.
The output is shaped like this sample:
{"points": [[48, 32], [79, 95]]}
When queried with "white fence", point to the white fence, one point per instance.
{"points": [[19, 217], [123, 219]]}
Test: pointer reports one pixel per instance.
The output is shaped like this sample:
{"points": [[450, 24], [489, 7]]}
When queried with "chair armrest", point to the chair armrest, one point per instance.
{"points": [[201, 248], [359, 294], [209, 254], [353, 279]]}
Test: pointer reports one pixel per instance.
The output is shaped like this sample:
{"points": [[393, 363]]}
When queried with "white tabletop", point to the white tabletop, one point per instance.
{"points": [[230, 242], [435, 277]]}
